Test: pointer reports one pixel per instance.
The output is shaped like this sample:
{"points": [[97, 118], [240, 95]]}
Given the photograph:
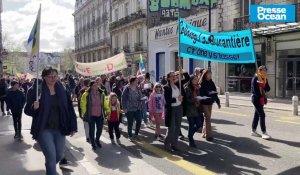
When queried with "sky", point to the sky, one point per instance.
{"points": [[57, 27]]}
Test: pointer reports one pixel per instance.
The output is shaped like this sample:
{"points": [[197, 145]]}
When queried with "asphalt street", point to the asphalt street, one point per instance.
{"points": [[232, 152]]}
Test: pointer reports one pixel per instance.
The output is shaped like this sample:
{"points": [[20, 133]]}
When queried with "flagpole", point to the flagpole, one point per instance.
{"points": [[179, 59], [38, 55]]}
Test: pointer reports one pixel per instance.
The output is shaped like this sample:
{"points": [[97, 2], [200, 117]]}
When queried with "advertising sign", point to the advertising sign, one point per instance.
{"points": [[272, 13], [228, 47]]}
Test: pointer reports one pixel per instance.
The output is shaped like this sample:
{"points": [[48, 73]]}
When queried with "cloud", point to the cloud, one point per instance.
{"points": [[57, 27]]}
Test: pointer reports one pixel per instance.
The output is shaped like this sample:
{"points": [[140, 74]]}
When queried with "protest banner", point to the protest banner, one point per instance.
{"points": [[227, 47], [109, 65]]}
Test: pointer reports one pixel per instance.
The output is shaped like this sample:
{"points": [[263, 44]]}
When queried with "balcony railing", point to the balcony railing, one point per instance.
{"points": [[126, 48], [102, 42], [128, 19], [116, 51], [243, 23], [138, 47]]}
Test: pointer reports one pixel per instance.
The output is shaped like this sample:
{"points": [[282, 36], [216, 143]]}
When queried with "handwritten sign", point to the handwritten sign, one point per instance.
{"points": [[109, 65], [229, 47]]}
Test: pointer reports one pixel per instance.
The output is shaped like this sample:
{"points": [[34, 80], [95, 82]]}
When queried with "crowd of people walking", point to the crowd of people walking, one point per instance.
{"points": [[49, 101]]}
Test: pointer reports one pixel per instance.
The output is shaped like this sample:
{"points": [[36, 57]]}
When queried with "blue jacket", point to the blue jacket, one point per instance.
{"points": [[15, 101], [68, 120]]}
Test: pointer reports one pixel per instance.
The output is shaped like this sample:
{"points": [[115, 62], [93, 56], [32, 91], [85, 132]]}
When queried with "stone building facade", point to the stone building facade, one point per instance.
{"points": [[277, 46], [92, 37], [128, 31]]}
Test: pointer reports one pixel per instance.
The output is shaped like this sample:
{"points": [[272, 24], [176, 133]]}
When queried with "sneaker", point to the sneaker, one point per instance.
{"points": [[20, 136], [98, 143], [113, 141], [130, 139], [3, 114], [94, 147], [209, 139], [174, 148], [118, 141], [16, 136], [64, 162], [8, 113], [265, 136], [255, 134]]}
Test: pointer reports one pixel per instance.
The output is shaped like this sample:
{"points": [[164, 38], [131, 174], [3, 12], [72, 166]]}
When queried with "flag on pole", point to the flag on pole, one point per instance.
{"points": [[33, 43], [141, 65]]}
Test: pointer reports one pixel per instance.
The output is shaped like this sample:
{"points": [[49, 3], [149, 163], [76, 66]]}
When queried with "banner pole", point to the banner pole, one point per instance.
{"points": [[179, 58], [38, 54]]}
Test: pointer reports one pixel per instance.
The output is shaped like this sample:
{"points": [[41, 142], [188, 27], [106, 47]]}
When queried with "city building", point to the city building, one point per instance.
{"points": [[163, 33], [128, 31], [1, 46], [92, 37], [277, 46]]}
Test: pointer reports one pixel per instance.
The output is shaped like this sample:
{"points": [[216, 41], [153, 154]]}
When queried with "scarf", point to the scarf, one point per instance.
{"points": [[261, 78]]}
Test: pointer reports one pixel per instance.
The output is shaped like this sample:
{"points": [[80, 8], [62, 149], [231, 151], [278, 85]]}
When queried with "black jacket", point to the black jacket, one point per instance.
{"points": [[256, 94], [15, 101], [170, 100], [3, 90], [206, 88], [68, 121], [117, 90]]}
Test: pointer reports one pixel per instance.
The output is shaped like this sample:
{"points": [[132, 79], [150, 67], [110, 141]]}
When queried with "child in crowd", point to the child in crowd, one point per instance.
{"points": [[156, 107], [113, 113]]}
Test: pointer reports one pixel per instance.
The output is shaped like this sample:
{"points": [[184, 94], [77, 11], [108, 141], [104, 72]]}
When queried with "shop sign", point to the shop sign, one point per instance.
{"points": [[272, 13], [227, 47], [171, 30]]}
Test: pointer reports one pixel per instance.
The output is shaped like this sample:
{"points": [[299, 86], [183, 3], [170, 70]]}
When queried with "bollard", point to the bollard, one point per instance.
{"points": [[295, 100], [227, 99]]}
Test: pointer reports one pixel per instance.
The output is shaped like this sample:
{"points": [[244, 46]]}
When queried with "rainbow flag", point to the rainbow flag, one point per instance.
{"points": [[142, 68]]}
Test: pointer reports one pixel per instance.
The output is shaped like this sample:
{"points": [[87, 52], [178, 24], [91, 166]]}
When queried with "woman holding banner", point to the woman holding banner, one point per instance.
{"points": [[174, 111], [259, 86], [208, 89]]}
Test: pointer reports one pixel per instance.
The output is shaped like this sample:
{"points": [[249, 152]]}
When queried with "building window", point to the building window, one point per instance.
{"points": [[116, 14], [126, 9], [245, 7], [126, 39], [117, 42], [138, 5], [94, 37], [139, 36]]}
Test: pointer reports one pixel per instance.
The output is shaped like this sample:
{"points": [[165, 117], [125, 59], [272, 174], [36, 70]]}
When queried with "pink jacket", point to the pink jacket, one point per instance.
{"points": [[152, 104]]}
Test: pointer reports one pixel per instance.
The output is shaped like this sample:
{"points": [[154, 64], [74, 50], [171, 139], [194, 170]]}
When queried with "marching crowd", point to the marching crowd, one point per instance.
{"points": [[113, 100]]}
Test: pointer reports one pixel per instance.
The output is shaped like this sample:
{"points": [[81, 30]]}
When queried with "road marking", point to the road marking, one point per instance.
{"points": [[289, 118], [283, 121], [231, 113], [177, 160]]}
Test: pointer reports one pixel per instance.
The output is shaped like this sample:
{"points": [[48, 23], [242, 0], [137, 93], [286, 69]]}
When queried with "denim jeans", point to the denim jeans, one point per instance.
{"points": [[98, 121], [194, 125], [131, 115], [52, 144]]}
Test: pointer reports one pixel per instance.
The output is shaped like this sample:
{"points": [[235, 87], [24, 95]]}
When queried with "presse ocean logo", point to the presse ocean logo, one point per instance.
{"points": [[272, 13]]}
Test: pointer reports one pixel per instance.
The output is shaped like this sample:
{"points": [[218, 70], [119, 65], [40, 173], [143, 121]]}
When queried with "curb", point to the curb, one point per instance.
{"points": [[266, 107]]}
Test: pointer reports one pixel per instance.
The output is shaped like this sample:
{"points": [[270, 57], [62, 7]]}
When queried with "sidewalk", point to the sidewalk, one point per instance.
{"points": [[24, 157], [245, 100]]}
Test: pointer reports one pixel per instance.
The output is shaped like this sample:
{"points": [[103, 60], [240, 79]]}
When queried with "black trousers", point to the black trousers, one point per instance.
{"points": [[17, 118], [259, 115], [114, 126], [2, 101]]}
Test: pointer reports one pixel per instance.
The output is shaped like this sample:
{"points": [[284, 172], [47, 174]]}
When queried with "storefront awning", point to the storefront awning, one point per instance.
{"points": [[277, 29]]}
